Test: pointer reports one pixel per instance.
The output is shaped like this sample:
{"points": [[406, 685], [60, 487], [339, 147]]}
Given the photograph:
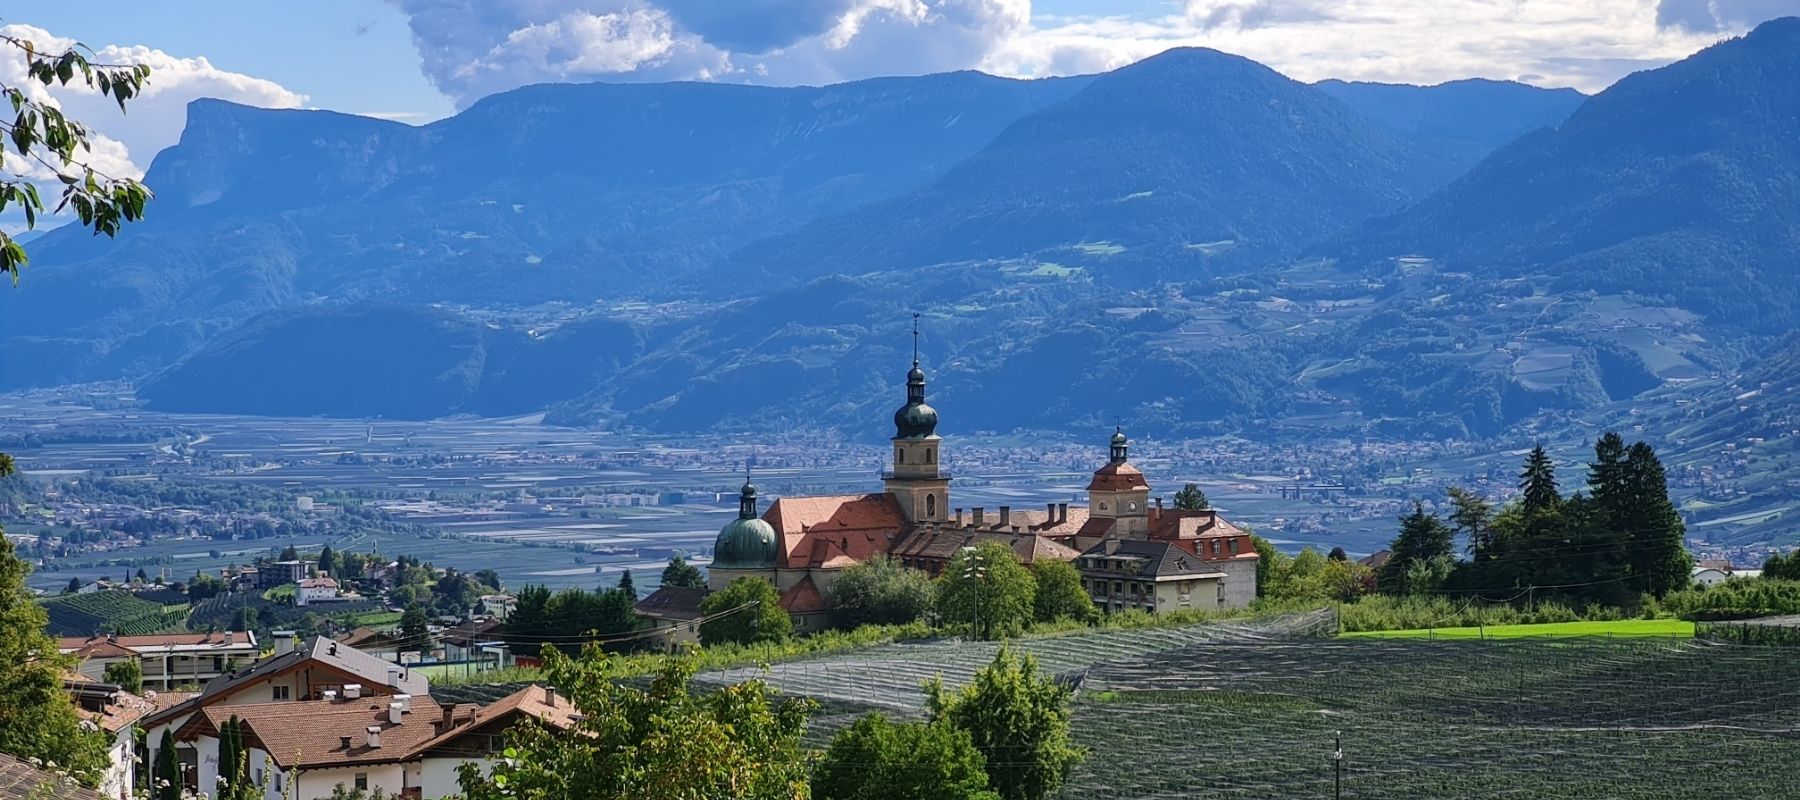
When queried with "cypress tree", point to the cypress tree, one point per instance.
{"points": [[168, 770], [228, 759]]}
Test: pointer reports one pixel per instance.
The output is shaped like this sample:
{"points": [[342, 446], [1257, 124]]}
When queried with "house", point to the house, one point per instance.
{"points": [[380, 644], [471, 641], [403, 746], [295, 673], [673, 613], [316, 590], [498, 606], [168, 659], [280, 573], [114, 712], [22, 780]]}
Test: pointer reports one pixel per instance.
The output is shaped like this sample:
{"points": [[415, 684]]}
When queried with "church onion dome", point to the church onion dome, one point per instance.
{"points": [[747, 542], [915, 420]]}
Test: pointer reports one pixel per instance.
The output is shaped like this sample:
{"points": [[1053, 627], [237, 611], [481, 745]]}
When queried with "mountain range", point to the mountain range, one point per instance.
{"points": [[1194, 242]]}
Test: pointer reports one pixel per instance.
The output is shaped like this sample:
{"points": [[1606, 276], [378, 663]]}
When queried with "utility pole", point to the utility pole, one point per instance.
{"points": [[975, 567]]}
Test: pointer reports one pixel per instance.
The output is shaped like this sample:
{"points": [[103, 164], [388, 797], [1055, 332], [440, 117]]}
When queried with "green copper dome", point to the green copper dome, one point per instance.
{"points": [[915, 420], [746, 542]]}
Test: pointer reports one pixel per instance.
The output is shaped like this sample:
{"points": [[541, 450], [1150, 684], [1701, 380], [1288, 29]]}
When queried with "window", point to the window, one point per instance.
{"points": [[278, 692], [1103, 505], [929, 455], [899, 456], [1215, 547], [218, 664], [931, 505], [362, 781], [278, 782], [1234, 546], [1131, 506], [1118, 588]]}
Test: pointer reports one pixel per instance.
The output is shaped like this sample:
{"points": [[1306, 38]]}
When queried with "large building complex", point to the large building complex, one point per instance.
{"points": [[1132, 553]]}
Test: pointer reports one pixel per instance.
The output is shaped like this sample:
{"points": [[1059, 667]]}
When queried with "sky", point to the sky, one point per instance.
{"points": [[419, 60]]}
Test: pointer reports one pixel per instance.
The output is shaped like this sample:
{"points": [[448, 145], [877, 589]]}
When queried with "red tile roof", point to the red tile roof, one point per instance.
{"points": [[835, 529], [20, 779], [533, 701], [238, 640], [310, 733], [1118, 477]]}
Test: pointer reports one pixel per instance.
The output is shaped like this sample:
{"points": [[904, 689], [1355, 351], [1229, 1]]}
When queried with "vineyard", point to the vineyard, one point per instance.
{"points": [[111, 612]]}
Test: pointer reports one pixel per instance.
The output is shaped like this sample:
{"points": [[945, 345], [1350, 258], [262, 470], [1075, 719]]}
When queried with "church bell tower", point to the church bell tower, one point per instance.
{"points": [[915, 480]]}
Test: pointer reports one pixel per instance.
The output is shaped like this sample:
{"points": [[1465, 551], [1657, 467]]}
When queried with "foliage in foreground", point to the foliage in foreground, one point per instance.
{"points": [[762, 622], [1742, 598], [881, 591], [988, 591], [1019, 719], [36, 718], [663, 742], [875, 759]]}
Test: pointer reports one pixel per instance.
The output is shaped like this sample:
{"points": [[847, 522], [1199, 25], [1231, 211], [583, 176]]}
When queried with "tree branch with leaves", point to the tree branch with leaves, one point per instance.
{"points": [[40, 135]]}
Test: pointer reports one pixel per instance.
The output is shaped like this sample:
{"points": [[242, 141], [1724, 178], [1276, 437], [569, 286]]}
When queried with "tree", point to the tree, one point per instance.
{"points": [[761, 618], [488, 578], [73, 587], [529, 622], [126, 674], [875, 759], [289, 554], [41, 134], [1060, 594], [880, 591], [1782, 569], [1424, 540], [1019, 719], [1474, 517], [1653, 529], [204, 586], [231, 761], [1267, 557], [1191, 498], [414, 635], [660, 742], [987, 589], [328, 562], [625, 585], [680, 573], [1538, 483], [142, 577], [167, 775], [1338, 554], [36, 718]]}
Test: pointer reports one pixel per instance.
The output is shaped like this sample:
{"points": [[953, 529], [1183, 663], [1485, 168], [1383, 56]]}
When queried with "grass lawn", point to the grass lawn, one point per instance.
{"points": [[1624, 627]]}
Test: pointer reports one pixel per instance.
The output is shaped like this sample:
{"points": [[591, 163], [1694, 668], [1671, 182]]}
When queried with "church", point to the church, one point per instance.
{"points": [[1131, 553]]}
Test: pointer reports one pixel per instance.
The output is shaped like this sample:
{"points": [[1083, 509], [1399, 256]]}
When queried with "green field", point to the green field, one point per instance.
{"points": [[1616, 628]]}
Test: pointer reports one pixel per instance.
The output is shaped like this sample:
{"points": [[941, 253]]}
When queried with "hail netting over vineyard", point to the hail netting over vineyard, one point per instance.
{"points": [[1423, 719], [890, 676]]}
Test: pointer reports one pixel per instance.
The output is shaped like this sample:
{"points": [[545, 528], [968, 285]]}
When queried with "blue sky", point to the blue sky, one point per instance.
{"points": [[419, 60]]}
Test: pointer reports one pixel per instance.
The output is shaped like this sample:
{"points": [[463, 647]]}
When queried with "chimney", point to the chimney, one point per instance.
{"points": [[976, 513], [395, 710], [1049, 514], [449, 720], [550, 696], [959, 518], [228, 638], [1111, 545], [374, 732], [1062, 512], [344, 742], [284, 642], [352, 691], [332, 650], [1159, 503], [1005, 516], [331, 695], [404, 701]]}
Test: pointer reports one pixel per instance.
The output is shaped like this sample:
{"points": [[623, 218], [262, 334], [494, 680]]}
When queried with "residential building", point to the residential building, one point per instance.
{"points": [[498, 606], [168, 659], [380, 644], [114, 712], [403, 746], [279, 573], [322, 589], [673, 613], [471, 641]]}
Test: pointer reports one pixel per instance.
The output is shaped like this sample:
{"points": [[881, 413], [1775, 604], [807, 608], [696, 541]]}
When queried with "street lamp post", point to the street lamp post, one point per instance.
{"points": [[975, 566]]}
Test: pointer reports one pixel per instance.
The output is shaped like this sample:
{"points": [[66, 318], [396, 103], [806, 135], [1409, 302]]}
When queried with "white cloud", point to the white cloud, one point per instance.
{"points": [[124, 143], [475, 48]]}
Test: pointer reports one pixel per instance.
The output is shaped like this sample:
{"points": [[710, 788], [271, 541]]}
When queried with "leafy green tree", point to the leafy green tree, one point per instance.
{"points": [[41, 134], [881, 591], [167, 775], [1474, 517], [73, 587], [126, 674], [988, 590], [680, 573], [36, 718], [1424, 540], [289, 554], [1019, 719], [529, 622], [1658, 558], [414, 631], [572, 614], [875, 759], [1191, 498], [1338, 554], [661, 742], [761, 620], [204, 586], [1267, 557], [1060, 594], [488, 578]]}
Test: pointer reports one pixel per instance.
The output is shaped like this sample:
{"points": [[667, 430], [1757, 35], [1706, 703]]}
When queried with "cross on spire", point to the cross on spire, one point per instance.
{"points": [[915, 338]]}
